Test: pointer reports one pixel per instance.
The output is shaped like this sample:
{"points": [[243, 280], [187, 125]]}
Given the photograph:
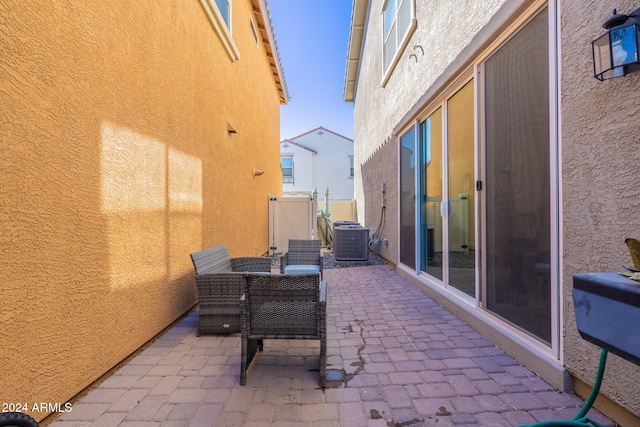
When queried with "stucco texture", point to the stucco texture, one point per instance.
{"points": [[598, 148], [601, 192], [383, 221], [378, 109], [116, 165]]}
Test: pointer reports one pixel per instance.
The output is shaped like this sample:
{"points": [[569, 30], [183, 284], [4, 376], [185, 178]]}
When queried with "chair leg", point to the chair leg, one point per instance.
{"points": [[323, 363], [249, 349], [243, 362]]}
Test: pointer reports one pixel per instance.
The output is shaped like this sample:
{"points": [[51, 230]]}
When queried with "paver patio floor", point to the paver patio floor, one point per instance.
{"points": [[399, 359]]}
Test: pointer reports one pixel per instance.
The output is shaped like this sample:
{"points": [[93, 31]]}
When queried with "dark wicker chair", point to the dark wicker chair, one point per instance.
{"points": [[220, 284], [283, 306], [303, 256]]}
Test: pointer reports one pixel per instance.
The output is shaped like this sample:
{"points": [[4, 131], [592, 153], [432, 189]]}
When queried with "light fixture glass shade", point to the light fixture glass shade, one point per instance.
{"points": [[601, 55], [616, 52]]}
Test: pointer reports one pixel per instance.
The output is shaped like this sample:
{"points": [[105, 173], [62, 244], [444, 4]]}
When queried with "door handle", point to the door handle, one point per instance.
{"points": [[445, 208]]}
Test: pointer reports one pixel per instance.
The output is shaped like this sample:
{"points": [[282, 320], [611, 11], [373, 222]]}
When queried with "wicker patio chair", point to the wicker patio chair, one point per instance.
{"points": [[303, 256], [283, 306], [220, 284]]}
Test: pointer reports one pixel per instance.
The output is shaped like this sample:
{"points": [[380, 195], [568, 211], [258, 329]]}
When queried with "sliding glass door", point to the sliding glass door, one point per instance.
{"points": [[408, 199], [481, 155], [431, 189], [460, 190], [447, 220], [518, 246]]}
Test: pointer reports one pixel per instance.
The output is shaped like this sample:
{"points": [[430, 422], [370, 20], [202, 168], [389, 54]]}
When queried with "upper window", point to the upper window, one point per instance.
{"points": [[398, 24], [287, 169], [219, 14], [253, 30], [351, 169], [224, 6]]}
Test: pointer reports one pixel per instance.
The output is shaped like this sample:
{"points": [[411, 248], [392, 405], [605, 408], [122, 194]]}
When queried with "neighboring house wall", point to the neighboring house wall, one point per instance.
{"points": [[330, 163], [594, 194], [303, 164], [117, 164]]}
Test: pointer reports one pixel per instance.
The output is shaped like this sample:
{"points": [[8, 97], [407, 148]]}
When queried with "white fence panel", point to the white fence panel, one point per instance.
{"points": [[291, 217]]}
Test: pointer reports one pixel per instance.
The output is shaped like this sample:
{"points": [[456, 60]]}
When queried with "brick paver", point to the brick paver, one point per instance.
{"points": [[403, 359]]}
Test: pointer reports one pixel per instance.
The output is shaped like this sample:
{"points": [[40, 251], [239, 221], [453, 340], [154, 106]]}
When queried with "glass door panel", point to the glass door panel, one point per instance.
{"points": [[518, 227], [461, 190], [408, 199], [430, 218]]}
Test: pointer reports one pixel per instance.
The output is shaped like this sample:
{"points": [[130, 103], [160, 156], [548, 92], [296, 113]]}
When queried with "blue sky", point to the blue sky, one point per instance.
{"points": [[312, 39]]}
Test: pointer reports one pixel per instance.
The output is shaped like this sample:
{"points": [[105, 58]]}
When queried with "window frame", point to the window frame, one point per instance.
{"points": [[226, 19], [287, 179], [352, 167], [254, 31], [220, 26], [401, 41]]}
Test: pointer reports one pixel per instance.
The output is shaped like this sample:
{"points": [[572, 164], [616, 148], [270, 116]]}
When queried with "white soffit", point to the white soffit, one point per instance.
{"points": [[356, 38]]}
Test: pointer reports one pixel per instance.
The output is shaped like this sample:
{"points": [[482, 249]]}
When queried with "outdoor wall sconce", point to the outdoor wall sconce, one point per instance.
{"points": [[257, 172], [615, 53]]}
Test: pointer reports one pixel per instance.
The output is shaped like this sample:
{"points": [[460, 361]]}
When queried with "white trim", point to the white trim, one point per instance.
{"points": [[254, 31], [478, 156], [272, 47], [417, 196], [551, 350], [558, 134], [398, 144], [386, 73], [396, 58], [220, 27], [557, 301], [359, 20]]}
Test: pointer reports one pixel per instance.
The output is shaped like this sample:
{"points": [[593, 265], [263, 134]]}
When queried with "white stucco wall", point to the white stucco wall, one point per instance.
{"points": [[328, 167], [302, 168]]}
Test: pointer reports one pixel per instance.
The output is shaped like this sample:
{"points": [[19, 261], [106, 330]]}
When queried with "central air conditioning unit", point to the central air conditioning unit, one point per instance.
{"points": [[351, 243], [337, 224]]}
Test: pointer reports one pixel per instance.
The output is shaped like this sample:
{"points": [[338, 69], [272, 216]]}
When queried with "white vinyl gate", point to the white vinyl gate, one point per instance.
{"points": [[291, 217]]}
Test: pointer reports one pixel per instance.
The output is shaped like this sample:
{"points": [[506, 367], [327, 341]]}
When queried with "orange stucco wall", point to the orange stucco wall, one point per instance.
{"points": [[115, 165]]}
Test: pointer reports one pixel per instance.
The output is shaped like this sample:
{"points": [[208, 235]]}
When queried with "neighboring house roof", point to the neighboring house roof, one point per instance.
{"points": [[317, 129], [267, 32], [288, 141], [356, 40]]}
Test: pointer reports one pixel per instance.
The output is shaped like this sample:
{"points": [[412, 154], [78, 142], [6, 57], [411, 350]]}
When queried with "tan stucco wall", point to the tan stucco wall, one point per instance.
{"points": [[376, 172], [599, 151], [116, 164], [600, 187]]}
